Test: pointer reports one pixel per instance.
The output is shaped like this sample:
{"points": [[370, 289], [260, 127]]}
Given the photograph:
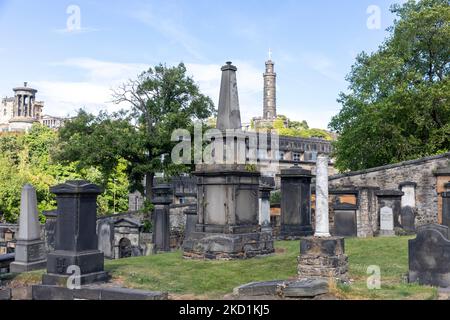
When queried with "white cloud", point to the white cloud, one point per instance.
{"points": [[93, 92]]}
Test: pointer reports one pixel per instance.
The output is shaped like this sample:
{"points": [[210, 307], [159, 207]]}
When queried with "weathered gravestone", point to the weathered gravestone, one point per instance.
{"points": [[161, 217], [345, 224], [389, 202], [227, 191], [30, 249], [408, 203], [446, 208], [76, 238], [429, 256], [386, 222], [295, 203], [191, 220]]}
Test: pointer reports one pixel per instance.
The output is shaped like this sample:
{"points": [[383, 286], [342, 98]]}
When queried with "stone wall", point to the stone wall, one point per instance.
{"points": [[428, 173]]}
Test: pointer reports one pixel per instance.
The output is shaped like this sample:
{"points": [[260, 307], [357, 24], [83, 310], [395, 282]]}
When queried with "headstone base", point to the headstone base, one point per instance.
{"points": [[295, 232], [387, 233], [323, 258], [91, 265], [221, 246], [29, 256]]}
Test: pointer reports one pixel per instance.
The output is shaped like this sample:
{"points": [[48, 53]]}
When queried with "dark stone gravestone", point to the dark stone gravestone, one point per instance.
{"points": [[345, 220], [161, 217], [191, 220], [76, 238], [429, 256], [446, 208], [295, 203], [408, 218], [50, 229]]}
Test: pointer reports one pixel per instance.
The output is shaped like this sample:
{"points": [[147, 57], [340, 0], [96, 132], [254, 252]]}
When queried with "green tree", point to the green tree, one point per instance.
{"points": [[398, 106], [161, 99]]}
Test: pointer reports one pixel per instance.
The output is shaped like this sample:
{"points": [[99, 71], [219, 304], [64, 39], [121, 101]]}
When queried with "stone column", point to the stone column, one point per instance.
{"points": [[264, 207], [30, 249], [76, 244], [161, 217], [322, 220]]}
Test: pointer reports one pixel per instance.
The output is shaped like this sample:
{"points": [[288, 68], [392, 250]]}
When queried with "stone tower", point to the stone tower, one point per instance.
{"points": [[270, 91]]}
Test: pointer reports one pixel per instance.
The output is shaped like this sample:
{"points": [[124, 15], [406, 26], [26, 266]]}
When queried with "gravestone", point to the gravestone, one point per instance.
{"points": [[161, 217], [295, 203], [30, 253], [446, 208], [50, 229], [429, 256], [386, 222], [408, 203], [389, 204], [191, 220], [345, 224], [76, 239]]}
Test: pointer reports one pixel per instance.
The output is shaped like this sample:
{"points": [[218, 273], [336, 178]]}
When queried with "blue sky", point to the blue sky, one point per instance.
{"points": [[313, 43]]}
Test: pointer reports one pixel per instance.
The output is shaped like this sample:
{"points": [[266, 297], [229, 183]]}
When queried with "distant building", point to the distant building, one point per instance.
{"points": [[19, 113]]}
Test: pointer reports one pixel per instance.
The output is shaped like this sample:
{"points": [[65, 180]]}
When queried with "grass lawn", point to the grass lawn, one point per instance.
{"points": [[192, 279]]}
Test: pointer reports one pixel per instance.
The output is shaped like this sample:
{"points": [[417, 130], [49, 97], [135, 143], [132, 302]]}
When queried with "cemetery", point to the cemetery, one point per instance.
{"points": [[165, 195], [333, 229]]}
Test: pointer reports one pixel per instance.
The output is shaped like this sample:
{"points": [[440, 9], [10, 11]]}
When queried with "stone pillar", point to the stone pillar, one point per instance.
{"points": [[322, 210], [264, 207], [295, 203], [50, 229], [76, 244], [191, 220], [30, 249], [446, 208], [389, 209], [161, 217], [408, 206]]}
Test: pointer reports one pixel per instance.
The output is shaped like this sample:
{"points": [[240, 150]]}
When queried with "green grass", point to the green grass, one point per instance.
{"points": [[213, 279], [193, 279]]}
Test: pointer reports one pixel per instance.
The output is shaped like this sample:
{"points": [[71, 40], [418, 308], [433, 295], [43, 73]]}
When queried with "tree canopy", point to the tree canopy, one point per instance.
{"points": [[397, 107], [161, 100]]}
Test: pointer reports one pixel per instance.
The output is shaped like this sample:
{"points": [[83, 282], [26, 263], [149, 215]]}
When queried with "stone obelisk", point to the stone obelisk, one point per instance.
{"points": [[30, 249], [227, 193]]}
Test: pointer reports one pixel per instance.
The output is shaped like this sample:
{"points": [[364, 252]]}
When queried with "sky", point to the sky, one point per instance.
{"points": [[75, 52]]}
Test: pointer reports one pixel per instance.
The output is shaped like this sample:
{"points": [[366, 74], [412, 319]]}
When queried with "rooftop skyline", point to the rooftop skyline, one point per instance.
{"points": [[75, 52]]}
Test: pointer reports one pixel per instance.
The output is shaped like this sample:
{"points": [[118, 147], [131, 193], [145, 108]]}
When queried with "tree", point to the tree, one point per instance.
{"points": [[397, 107], [161, 100]]}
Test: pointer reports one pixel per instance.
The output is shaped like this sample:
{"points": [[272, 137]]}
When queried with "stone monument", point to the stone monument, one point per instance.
{"points": [[389, 202], [429, 256], [322, 256], [264, 207], [446, 208], [295, 203], [227, 193], [76, 238], [161, 217], [30, 249], [408, 204]]}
